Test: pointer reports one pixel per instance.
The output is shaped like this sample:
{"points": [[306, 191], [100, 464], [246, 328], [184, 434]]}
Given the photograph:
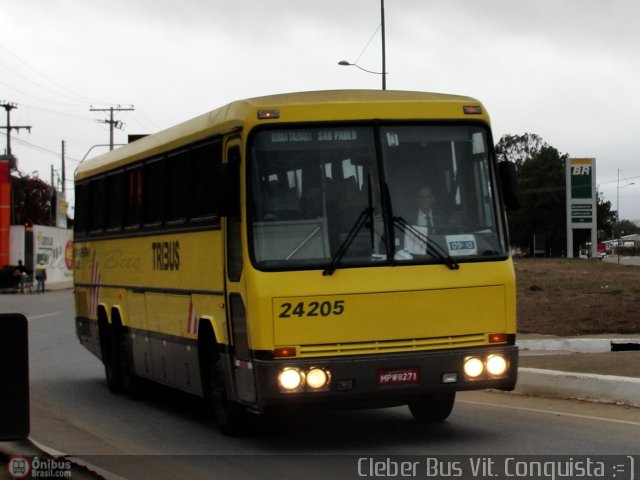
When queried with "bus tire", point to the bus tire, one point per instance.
{"points": [[111, 359], [135, 387], [132, 385], [229, 416], [433, 408]]}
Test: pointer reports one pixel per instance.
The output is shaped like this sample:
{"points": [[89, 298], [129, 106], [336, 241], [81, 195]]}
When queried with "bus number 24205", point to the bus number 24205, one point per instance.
{"points": [[311, 309]]}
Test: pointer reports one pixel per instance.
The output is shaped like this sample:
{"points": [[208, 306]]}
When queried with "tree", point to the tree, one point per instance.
{"points": [[541, 186], [519, 148], [32, 200], [606, 219], [625, 227]]}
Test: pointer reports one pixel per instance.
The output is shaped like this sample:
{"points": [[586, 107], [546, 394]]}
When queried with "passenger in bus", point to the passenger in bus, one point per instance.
{"points": [[345, 203], [280, 202], [311, 202], [425, 213], [425, 219]]}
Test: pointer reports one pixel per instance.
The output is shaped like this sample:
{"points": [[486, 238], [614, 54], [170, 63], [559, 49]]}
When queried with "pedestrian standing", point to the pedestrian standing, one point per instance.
{"points": [[21, 275], [41, 277]]}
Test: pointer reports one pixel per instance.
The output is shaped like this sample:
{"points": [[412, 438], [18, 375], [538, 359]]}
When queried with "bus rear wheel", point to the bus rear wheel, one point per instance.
{"points": [[433, 408], [118, 365], [133, 386], [230, 417], [111, 359]]}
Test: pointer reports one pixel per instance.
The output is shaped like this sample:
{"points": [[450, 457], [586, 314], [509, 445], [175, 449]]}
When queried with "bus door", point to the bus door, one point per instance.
{"points": [[240, 359], [140, 342]]}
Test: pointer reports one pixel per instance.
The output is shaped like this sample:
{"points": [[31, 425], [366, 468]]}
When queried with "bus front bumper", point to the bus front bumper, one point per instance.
{"points": [[384, 379]]}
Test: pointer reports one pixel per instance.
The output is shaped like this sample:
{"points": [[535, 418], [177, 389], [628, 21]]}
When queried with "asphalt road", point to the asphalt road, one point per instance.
{"points": [[168, 435]]}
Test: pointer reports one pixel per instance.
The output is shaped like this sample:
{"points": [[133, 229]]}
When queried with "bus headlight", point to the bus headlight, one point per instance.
{"points": [[296, 380], [317, 378], [290, 379], [473, 367], [496, 365]]}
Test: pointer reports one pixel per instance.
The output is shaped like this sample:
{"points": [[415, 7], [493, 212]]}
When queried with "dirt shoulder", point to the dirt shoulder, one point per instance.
{"points": [[571, 297]]}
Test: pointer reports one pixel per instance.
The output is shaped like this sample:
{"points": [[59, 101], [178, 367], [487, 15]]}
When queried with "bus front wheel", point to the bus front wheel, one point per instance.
{"points": [[229, 416], [433, 408]]}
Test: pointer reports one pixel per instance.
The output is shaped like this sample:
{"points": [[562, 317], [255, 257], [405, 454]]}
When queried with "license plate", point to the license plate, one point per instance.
{"points": [[398, 376]]}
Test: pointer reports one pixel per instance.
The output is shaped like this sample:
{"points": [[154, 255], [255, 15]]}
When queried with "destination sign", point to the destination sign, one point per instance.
{"points": [[295, 136]]}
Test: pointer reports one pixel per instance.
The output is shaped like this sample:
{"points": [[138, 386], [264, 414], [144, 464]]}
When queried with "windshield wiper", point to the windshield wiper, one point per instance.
{"points": [[335, 260], [366, 214], [432, 247]]}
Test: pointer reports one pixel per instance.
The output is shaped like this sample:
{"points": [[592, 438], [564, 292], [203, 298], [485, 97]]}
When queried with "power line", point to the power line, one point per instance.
{"points": [[150, 125], [55, 112], [42, 149], [368, 43], [78, 96], [614, 181], [44, 88]]}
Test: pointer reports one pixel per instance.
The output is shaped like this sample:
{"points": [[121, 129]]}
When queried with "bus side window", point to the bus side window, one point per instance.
{"points": [[204, 160], [81, 224], [178, 191], [134, 197], [155, 191], [116, 191], [99, 204]]}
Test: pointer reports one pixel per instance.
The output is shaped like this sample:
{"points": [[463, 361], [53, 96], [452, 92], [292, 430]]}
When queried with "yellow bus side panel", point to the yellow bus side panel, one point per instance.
{"points": [[159, 283]]}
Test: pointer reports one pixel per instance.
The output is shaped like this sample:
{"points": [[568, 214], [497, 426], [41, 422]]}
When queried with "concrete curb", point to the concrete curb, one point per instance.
{"points": [[584, 386], [579, 345]]}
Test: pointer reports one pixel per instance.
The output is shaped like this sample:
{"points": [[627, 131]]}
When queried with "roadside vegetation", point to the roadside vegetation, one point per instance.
{"points": [[577, 297]]}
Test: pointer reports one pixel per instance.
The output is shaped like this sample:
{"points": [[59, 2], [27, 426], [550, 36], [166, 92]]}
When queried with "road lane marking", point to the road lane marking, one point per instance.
{"points": [[550, 412], [44, 315]]}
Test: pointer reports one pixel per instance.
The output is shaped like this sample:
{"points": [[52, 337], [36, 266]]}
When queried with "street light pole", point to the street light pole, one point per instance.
{"points": [[618, 214], [620, 232], [344, 63], [384, 52]]}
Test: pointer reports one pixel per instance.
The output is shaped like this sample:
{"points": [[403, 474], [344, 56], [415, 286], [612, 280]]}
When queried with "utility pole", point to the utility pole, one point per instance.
{"points": [[64, 173], [8, 107], [7, 163], [52, 196], [112, 123]]}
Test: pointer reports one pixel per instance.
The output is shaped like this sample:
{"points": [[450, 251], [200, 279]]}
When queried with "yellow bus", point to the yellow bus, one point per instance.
{"points": [[322, 248]]}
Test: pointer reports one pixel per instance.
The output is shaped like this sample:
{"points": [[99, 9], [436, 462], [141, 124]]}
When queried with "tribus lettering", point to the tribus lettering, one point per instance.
{"points": [[166, 255]]}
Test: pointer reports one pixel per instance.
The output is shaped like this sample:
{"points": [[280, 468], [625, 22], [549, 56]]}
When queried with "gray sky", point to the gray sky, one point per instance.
{"points": [[566, 70]]}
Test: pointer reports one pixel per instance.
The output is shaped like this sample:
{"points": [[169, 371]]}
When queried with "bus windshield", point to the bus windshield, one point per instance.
{"points": [[372, 195]]}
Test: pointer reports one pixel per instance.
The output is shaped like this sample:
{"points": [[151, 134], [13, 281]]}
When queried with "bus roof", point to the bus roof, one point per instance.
{"points": [[318, 106]]}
